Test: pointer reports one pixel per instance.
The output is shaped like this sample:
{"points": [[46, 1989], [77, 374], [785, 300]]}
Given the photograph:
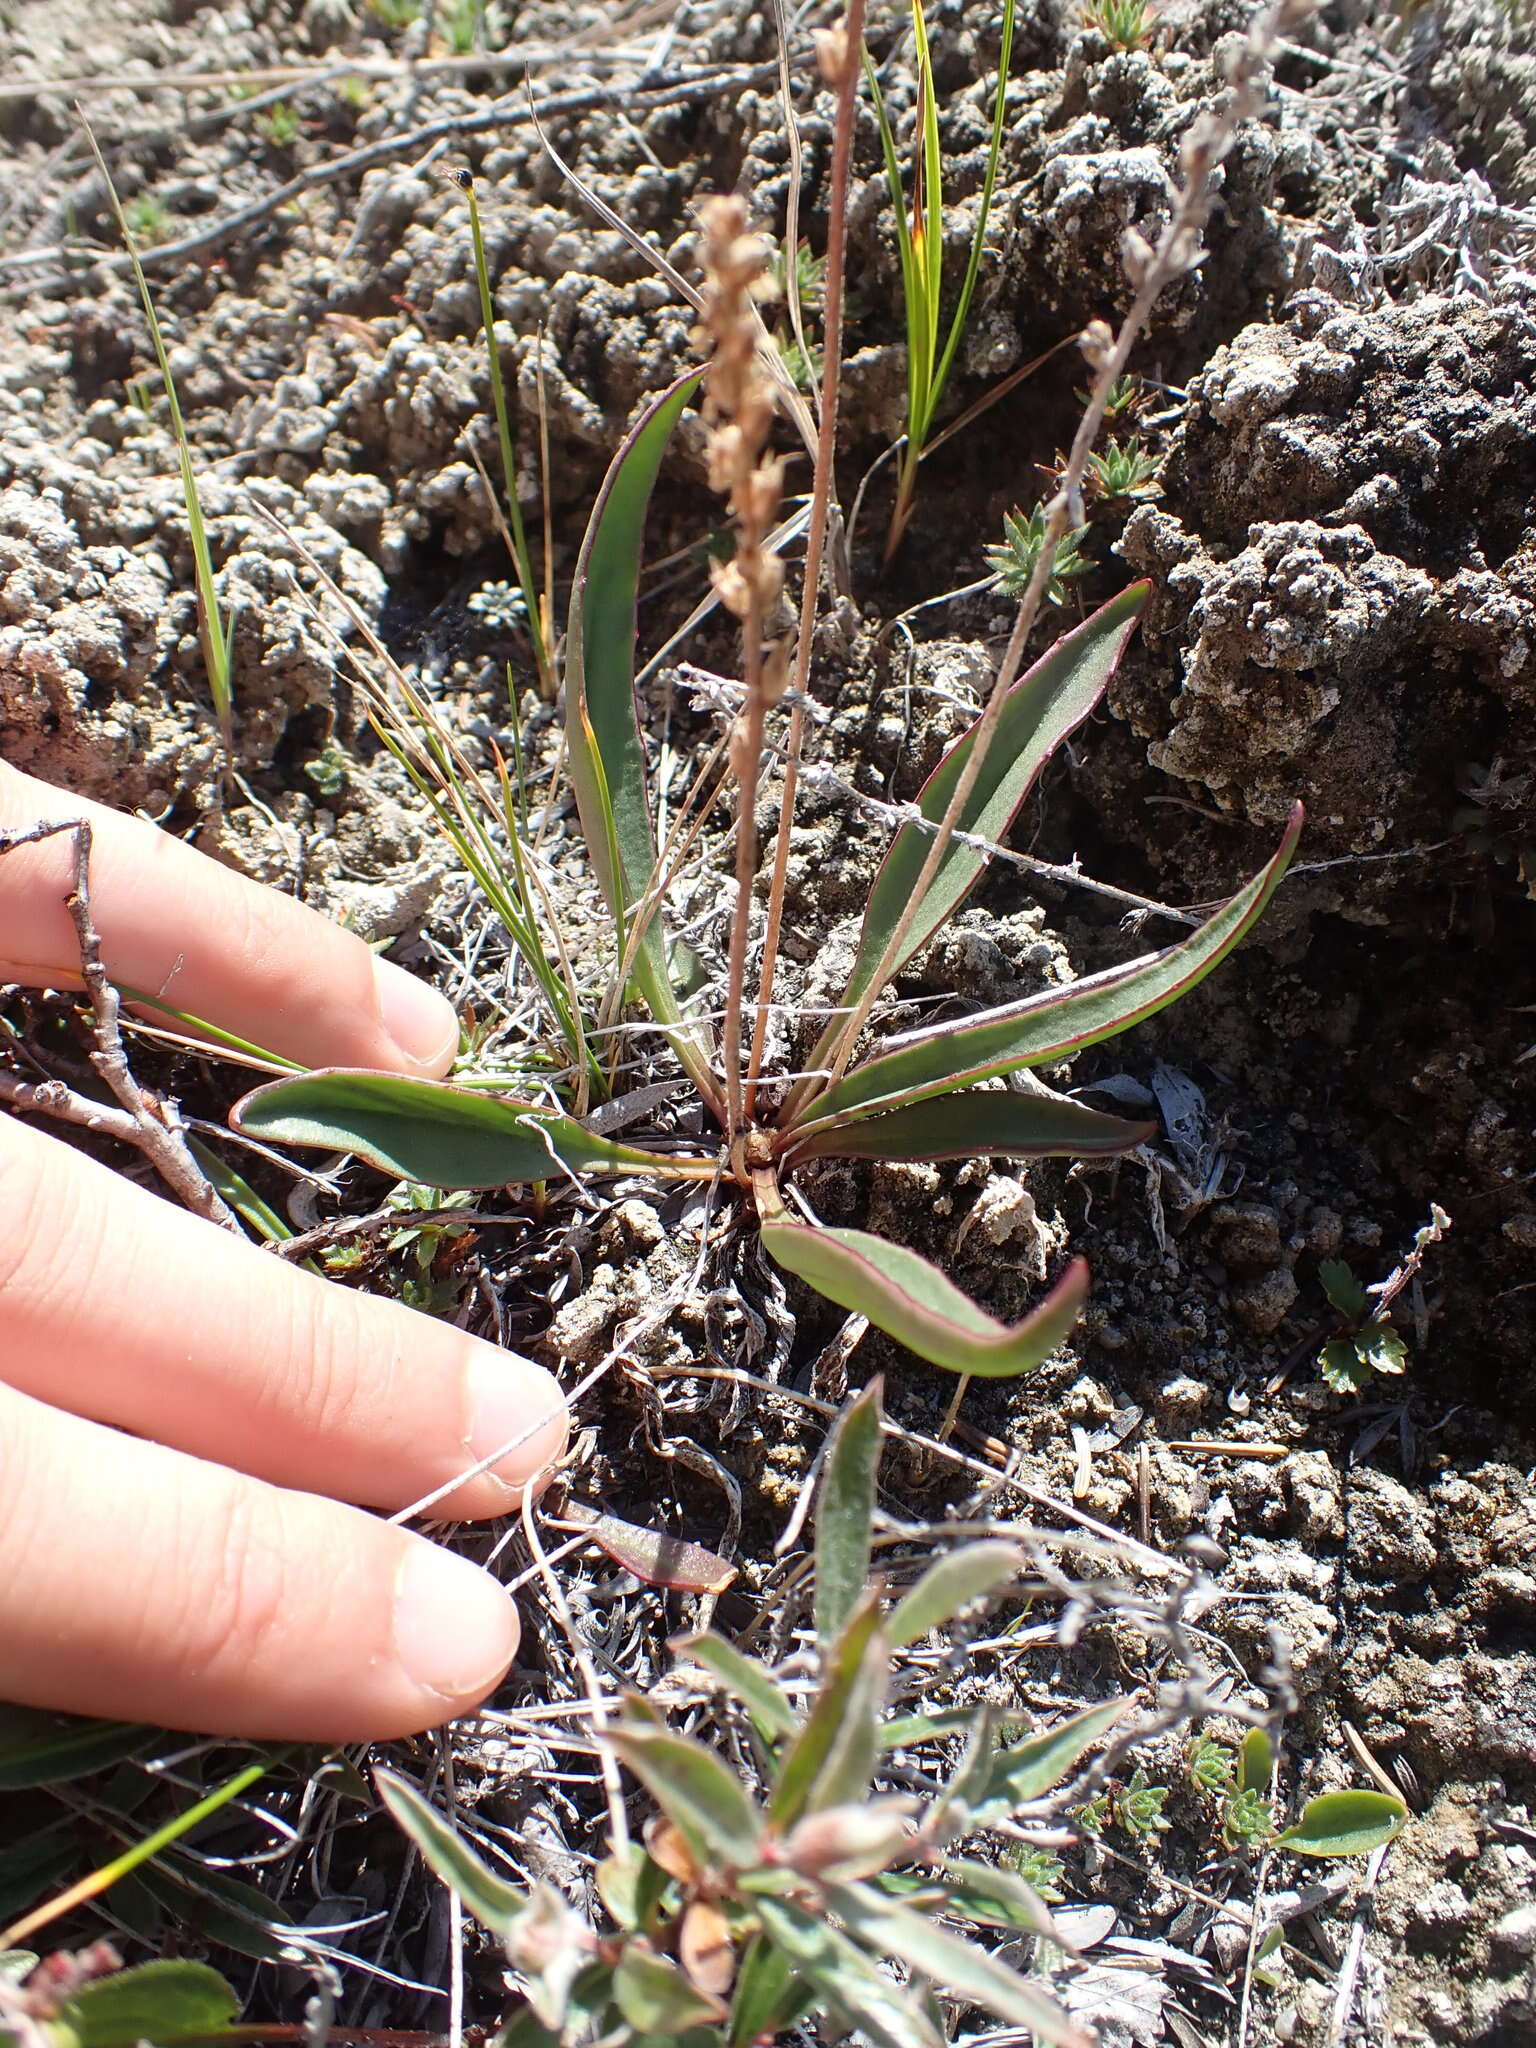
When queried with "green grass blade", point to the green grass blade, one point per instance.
{"points": [[1061, 1021], [103, 1879], [912, 1301], [932, 215], [988, 187], [1040, 711], [428, 1131], [521, 556], [212, 628], [912, 278], [606, 758], [976, 1123]]}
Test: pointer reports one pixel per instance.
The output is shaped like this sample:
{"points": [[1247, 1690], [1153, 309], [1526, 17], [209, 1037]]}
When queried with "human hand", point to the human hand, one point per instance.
{"points": [[202, 1571]]}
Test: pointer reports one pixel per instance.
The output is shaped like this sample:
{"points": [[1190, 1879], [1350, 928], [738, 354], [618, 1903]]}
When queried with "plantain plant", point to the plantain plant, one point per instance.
{"points": [[787, 1884], [935, 1093]]}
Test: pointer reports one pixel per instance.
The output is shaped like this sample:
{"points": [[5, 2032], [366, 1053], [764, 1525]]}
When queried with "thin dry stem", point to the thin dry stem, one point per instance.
{"points": [[839, 55]]}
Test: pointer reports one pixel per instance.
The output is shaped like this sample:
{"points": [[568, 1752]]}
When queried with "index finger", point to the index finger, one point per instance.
{"points": [[190, 933]]}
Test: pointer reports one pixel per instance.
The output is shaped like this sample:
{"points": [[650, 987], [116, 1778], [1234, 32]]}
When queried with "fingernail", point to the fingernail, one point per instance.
{"points": [[512, 1401], [417, 1018], [455, 1629]]}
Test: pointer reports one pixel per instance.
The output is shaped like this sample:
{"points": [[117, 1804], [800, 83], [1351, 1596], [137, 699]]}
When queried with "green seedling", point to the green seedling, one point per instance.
{"points": [[463, 26], [920, 245], [1121, 469], [931, 1094], [395, 13], [784, 1884], [1367, 1343], [279, 125], [501, 606], [330, 770], [1138, 1807], [148, 217], [1125, 399], [1124, 24], [1014, 559], [214, 629]]}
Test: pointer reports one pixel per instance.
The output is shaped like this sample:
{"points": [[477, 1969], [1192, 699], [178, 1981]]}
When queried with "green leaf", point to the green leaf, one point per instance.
{"points": [[1031, 1769], [1342, 1288], [607, 761], [696, 1791], [36, 1750], [1381, 1348], [997, 1898], [1255, 1762], [526, 2030], [427, 1131], [1344, 1824], [216, 1905], [951, 1814], [968, 1573], [846, 1507], [767, 1998], [494, 1903], [624, 1882], [922, 1944], [912, 1301], [161, 2002], [654, 1995], [1038, 713], [856, 1989], [744, 1679], [839, 1740], [34, 1864], [1047, 1027], [1343, 1366], [906, 1731], [975, 1122]]}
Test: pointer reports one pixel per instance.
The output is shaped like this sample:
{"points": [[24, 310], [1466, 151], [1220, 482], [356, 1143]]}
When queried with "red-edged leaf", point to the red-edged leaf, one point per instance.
{"points": [[912, 1301], [652, 1555], [976, 1122], [1050, 1026]]}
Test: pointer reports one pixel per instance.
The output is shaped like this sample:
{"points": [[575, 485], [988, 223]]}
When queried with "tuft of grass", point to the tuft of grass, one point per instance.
{"points": [[920, 242]]}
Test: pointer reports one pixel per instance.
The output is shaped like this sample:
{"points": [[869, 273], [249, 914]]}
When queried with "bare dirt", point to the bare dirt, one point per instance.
{"points": [[1343, 552]]}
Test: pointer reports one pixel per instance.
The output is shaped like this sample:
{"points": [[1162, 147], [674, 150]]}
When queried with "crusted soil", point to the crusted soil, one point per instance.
{"points": [[1343, 555]]}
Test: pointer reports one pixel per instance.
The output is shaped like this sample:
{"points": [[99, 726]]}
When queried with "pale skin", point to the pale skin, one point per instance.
{"points": [[191, 1428]]}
